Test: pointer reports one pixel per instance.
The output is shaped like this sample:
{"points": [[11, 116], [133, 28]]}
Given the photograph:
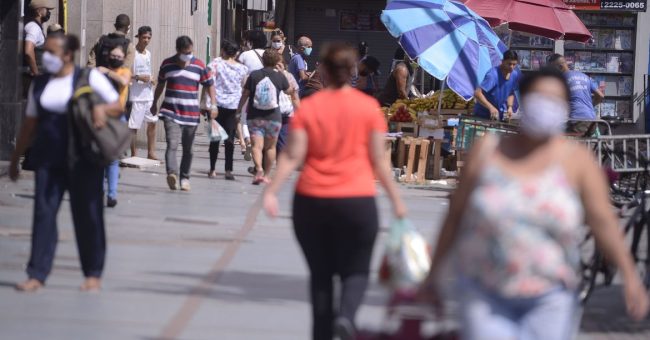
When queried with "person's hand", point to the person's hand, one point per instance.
{"points": [[99, 117], [103, 69], [14, 170], [399, 209], [428, 294], [152, 82], [154, 110], [144, 78], [509, 113], [636, 298], [494, 113], [214, 113], [270, 203]]}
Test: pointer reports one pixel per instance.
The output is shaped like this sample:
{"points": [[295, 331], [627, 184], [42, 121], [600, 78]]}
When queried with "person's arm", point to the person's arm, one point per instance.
{"points": [[480, 97], [609, 237], [156, 96], [130, 56], [383, 172], [25, 137], [401, 77], [598, 96], [92, 58], [511, 104], [121, 79], [214, 113], [245, 94], [289, 160], [31, 57]]}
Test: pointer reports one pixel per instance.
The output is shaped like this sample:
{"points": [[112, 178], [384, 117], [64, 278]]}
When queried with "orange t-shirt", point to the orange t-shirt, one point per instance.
{"points": [[124, 90], [338, 124]]}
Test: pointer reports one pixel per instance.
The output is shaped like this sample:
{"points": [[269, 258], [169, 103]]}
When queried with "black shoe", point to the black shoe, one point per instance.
{"points": [[111, 202], [251, 170], [230, 177], [344, 329]]}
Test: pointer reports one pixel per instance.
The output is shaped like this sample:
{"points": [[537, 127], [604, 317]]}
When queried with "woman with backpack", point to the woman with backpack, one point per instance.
{"points": [[120, 77], [61, 168], [262, 94]]}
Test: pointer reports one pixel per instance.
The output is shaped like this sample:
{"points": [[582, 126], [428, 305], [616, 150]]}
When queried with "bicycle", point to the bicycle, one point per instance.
{"points": [[638, 222]]}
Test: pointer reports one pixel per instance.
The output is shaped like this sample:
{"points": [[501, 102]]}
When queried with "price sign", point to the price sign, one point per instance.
{"points": [[625, 5]]}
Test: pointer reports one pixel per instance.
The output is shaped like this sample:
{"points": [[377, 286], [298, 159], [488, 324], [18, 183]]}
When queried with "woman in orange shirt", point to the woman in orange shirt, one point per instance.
{"points": [[120, 76], [338, 134]]}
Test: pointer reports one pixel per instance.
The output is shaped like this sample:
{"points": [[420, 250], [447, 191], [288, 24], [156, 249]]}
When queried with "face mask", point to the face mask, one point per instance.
{"points": [[308, 51], [543, 116], [115, 63], [185, 57], [47, 16], [51, 63], [277, 45]]}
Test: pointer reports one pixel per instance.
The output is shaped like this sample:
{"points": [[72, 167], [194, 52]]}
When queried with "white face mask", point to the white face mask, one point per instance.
{"points": [[51, 63], [185, 57], [277, 45], [543, 116]]}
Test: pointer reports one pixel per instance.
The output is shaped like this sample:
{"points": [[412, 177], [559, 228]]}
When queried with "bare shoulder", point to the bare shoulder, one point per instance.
{"points": [[579, 161]]}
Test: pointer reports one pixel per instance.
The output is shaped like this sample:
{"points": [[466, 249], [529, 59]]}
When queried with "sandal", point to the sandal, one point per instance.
{"points": [[212, 174]]}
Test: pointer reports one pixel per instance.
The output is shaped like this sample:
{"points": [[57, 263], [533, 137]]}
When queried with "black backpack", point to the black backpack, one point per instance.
{"points": [[99, 146], [106, 44]]}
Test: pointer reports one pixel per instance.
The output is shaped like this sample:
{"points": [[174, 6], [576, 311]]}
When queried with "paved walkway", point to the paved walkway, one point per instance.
{"points": [[199, 265]]}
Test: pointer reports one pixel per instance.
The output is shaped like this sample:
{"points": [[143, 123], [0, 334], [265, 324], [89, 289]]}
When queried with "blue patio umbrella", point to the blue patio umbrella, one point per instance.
{"points": [[449, 40]]}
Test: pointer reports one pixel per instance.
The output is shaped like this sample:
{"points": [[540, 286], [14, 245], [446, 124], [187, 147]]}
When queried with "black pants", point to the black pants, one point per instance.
{"points": [[337, 237], [84, 184], [228, 120]]}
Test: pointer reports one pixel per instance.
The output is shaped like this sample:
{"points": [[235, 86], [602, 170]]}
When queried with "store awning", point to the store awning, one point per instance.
{"points": [[258, 5]]}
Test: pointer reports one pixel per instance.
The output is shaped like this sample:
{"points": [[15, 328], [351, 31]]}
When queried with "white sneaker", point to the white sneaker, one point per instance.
{"points": [[185, 184]]}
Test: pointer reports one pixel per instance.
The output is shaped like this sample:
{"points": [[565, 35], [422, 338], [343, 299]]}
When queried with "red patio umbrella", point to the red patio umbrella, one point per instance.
{"points": [[548, 18]]}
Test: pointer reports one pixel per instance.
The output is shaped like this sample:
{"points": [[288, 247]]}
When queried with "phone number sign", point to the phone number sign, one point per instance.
{"points": [[627, 5]]}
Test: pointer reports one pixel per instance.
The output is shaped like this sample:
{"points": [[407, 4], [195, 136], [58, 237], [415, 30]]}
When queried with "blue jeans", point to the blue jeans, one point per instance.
{"points": [[487, 315], [112, 174]]}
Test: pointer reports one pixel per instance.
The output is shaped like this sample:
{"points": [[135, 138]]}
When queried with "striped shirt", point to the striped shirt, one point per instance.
{"points": [[182, 95]]}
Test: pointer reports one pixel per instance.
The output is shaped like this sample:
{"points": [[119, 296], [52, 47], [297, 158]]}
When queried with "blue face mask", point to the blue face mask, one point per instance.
{"points": [[308, 51]]}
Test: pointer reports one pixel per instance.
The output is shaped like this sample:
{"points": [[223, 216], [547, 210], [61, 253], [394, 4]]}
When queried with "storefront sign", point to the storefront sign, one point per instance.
{"points": [[361, 21], [616, 5]]}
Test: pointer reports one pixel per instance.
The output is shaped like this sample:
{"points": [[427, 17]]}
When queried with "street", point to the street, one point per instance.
{"points": [[207, 264]]}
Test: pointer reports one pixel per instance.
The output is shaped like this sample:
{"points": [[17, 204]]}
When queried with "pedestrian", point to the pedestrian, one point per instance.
{"points": [[363, 50], [315, 83], [228, 77], [38, 13], [120, 77], [255, 42], [495, 98], [515, 223], [288, 104], [298, 65], [279, 43], [338, 134], [46, 123], [54, 28], [99, 54], [261, 93], [368, 70], [400, 80], [141, 94], [181, 75], [584, 95]]}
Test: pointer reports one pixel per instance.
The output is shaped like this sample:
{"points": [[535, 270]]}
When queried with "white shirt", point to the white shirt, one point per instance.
{"points": [[252, 59], [34, 34], [140, 91], [58, 92]]}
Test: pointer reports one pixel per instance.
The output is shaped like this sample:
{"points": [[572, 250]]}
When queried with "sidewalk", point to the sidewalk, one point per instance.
{"points": [[200, 265]]}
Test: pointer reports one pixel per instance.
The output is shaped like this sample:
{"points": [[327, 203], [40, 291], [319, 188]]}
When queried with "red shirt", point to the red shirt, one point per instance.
{"points": [[339, 124]]}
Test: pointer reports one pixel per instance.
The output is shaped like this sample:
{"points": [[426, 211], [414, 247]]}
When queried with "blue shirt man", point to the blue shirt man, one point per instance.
{"points": [[584, 91], [495, 98], [297, 65]]}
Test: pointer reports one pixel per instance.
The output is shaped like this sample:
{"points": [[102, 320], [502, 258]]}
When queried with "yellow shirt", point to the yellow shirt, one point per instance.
{"points": [[123, 90]]}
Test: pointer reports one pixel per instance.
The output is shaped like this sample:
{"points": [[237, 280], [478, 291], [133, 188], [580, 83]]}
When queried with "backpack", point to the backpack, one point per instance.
{"points": [[98, 146], [107, 43], [266, 95]]}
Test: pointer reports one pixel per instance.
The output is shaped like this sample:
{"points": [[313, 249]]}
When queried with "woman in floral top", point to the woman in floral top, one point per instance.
{"points": [[229, 75], [515, 220]]}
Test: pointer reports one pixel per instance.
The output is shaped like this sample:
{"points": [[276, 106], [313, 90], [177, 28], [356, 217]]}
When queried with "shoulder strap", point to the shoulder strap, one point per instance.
{"points": [[259, 56], [81, 77]]}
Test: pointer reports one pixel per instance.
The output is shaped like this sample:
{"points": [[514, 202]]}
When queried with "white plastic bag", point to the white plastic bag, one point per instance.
{"points": [[215, 132], [407, 259]]}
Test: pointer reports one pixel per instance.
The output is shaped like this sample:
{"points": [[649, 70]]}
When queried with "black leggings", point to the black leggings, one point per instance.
{"points": [[337, 237], [228, 120]]}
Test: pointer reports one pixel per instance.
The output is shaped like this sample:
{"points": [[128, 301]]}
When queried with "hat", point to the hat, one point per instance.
{"points": [[54, 28], [49, 4]]}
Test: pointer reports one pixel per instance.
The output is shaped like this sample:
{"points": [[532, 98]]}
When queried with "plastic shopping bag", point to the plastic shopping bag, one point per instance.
{"points": [[215, 132], [407, 259]]}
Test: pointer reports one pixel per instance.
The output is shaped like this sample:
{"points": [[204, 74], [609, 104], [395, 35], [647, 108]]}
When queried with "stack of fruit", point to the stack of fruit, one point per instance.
{"points": [[452, 101], [403, 114]]}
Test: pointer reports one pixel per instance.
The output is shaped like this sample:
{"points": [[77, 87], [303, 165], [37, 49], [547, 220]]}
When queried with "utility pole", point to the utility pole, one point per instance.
{"points": [[10, 69]]}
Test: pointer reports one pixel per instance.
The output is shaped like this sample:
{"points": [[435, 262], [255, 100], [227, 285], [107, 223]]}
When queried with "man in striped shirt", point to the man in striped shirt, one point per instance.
{"points": [[182, 74]]}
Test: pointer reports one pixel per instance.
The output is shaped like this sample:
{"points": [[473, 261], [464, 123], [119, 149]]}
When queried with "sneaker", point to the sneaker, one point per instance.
{"points": [[230, 177], [185, 184], [172, 181], [344, 329], [111, 202], [251, 170], [248, 156]]}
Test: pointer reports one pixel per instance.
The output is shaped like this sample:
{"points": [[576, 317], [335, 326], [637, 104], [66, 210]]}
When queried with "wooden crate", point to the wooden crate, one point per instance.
{"points": [[407, 129], [412, 161]]}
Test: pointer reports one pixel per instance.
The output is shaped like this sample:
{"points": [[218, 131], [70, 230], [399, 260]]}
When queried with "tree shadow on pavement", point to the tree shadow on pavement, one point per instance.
{"points": [[605, 312], [238, 286]]}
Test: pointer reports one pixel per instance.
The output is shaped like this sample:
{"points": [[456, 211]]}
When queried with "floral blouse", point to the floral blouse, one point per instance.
{"points": [[228, 80]]}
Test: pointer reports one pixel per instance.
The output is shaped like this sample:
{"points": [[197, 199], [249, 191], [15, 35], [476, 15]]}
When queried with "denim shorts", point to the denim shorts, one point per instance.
{"points": [[489, 316], [264, 128]]}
